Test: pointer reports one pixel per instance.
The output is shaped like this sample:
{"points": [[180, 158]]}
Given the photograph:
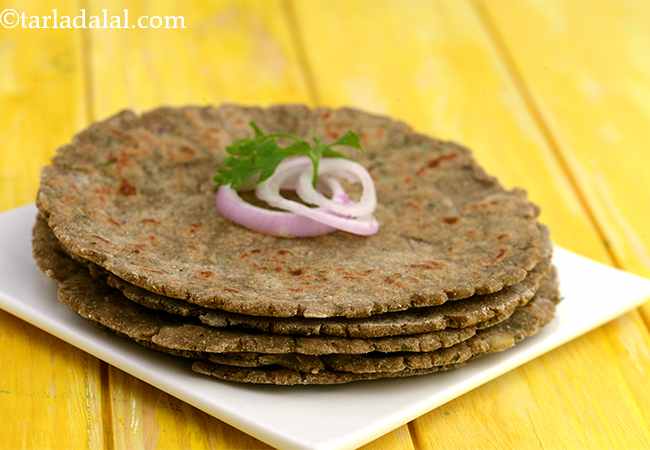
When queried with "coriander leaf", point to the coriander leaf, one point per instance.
{"points": [[268, 163], [241, 148], [258, 132], [350, 139], [329, 153], [297, 148], [315, 154], [255, 159]]}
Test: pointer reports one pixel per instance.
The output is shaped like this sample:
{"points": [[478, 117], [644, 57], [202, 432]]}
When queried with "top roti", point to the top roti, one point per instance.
{"points": [[134, 195]]}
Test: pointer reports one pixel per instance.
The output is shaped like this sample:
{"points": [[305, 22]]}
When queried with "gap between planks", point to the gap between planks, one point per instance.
{"points": [[104, 368], [298, 42], [414, 435], [86, 67]]}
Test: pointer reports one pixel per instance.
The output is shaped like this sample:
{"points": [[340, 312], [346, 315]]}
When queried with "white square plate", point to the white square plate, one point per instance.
{"points": [[328, 417]]}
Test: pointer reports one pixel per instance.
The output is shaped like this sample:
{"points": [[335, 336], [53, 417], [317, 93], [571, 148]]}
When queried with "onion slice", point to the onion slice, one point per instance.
{"points": [[276, 223], [300, 220], [352, 171], [338, 193], [269, 191]]}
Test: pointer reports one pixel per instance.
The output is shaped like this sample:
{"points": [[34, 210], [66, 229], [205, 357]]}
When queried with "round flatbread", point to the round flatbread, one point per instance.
{"points": [[289, 370], [105, 306], [526, 321], [133, 194], [481, 311], [94, 300], [288, 377]]}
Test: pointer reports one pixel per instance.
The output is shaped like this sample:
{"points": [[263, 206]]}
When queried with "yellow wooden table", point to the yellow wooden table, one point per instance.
{"points": [[552, 95]]}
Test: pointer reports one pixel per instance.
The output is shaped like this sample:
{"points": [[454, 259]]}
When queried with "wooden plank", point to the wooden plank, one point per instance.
{"points": [[50, 392], [400, 438], [588, 78], [144, 417], [230, 51], [41, 87], [238, 51], [151, 420], [147, 418], [433, 65]]}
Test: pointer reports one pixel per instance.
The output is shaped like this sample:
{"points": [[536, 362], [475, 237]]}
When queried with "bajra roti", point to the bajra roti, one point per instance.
{"points": [[94, 300], [335, 369], [105, 306], [288, 377], [481, 311], [133, 194], [525, 322]]}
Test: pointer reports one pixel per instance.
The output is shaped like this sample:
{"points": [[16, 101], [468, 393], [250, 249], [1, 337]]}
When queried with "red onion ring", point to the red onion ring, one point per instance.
{"points": [[269, 191], [300, 220], [275, 223], [352, 171]]}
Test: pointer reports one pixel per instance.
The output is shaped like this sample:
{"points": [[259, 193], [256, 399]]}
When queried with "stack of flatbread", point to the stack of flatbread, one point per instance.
{"points": [[128, 229]]}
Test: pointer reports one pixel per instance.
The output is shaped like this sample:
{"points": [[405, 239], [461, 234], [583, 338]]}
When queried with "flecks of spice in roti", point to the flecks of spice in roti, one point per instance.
{"points": [[95, 301], [481, 311], [104, 306], [133, 195]]}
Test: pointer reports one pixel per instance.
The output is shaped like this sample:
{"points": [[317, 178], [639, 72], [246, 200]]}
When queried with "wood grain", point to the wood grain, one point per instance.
{"points": [[587, 77], [443, 74], [41, 99], [50, 392], [230, 51], [146, 418]]}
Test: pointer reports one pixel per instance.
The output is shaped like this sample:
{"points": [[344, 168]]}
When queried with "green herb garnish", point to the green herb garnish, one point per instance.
{"points": [[257, 158]]}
